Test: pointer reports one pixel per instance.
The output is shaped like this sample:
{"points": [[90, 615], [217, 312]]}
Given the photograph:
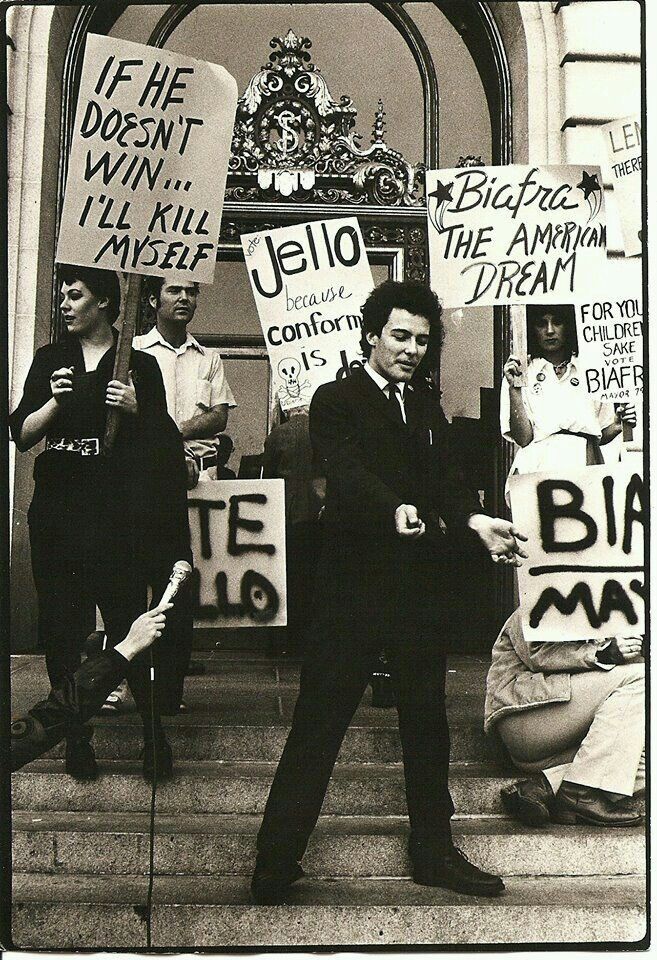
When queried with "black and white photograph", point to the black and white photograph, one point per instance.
{"points": [[325, 601]]}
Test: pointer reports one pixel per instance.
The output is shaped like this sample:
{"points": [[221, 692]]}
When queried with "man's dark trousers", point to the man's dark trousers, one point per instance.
{"points": [[374, 589], [334, 677]]}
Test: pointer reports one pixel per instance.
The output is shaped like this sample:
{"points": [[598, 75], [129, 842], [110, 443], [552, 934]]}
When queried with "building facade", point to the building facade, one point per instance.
{"points": [[426, 83]]}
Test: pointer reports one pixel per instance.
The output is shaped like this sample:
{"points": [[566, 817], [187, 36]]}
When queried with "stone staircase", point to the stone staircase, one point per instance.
{"points": [[81, 850]]}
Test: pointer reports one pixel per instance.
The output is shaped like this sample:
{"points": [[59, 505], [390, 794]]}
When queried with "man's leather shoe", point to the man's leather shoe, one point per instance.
{"points": [[158, 759], [576, 803], [529, 801], [441, 864], [272, 879], [81, 759]]}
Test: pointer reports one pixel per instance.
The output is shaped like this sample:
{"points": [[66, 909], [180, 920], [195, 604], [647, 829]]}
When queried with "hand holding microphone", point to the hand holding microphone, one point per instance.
{"points": [[144, 631], [149, 626]]}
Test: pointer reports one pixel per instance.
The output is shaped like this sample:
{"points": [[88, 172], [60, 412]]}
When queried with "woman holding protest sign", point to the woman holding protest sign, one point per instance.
{"points": [[98, 522], [572, 715], [552, 418]]}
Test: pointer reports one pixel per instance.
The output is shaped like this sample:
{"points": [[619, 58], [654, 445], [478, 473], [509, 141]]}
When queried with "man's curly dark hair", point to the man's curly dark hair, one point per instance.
{"points": [[409, 295]]}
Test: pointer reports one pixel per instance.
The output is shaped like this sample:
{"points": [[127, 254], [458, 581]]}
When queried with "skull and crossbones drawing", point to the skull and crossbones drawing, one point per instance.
{"points": [[291, 387]]}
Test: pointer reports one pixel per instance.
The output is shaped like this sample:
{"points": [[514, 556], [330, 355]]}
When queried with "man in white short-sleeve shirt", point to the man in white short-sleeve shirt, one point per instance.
{"points": [[198, 394]]}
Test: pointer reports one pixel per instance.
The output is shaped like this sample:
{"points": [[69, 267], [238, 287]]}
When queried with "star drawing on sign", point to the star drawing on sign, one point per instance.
{"points": [[590, 187], [442, 191], [589, 184], [442, 195]]}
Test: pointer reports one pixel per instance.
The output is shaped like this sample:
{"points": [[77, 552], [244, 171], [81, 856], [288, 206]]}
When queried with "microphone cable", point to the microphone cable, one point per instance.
{"points": [[181, 571], [146, 911], [151, 851]]}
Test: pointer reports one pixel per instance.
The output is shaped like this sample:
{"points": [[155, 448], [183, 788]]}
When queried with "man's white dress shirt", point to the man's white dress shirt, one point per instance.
{"points": [[194, 381]]}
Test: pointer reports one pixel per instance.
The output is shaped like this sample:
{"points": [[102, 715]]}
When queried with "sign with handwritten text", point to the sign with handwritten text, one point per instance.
{"points": [[623, 143], [238, 541], [515, 234], [309, 282], [584, 576], [610, 339], [148, 162]]}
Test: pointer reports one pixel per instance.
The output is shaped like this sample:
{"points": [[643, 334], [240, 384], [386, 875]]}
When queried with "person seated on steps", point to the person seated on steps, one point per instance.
{"points": [[572, 715]]}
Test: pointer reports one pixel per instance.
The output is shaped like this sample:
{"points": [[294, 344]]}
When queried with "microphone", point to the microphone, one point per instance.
{"points": [[180, 573]]}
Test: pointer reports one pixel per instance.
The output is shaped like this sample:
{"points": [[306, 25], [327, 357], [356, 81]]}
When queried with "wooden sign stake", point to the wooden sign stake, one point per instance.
{"points": [[130, 311]]}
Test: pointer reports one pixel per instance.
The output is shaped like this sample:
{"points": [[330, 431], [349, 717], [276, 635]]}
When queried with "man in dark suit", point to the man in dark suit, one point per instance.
{"points": [[383, 444]]}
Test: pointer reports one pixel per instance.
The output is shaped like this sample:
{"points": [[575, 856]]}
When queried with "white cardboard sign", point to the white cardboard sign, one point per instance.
{"points": [[149, 159], [584, 577], [515, 234], [238, 541], [610, 341], [309, 282], [623, 145]]}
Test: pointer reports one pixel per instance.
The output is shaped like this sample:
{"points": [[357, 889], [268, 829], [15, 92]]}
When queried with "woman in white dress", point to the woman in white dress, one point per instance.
{"points": [[552, 419]]}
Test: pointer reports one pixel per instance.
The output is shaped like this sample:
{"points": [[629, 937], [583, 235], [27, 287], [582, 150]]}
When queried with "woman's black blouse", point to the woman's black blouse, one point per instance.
{"points": [[84, 416], [139, 491]]}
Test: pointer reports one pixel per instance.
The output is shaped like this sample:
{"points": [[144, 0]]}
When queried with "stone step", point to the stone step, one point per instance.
{"points": [[121, 739], [243, 712], [225, 678], [242, 787], [464, 674], [233, 787], [73, 912], [64, 842], [236, 668]]}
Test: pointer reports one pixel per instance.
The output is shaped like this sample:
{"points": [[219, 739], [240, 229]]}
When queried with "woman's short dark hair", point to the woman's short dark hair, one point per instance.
{"points": [[103, 284], [410, 295], [565, 312]]}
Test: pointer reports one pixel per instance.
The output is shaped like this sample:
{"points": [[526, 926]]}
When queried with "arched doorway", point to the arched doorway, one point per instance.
{"points": [[388, 200]]}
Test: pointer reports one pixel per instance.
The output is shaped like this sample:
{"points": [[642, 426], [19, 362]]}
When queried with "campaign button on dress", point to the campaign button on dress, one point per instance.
{"points": [[540, 376]]}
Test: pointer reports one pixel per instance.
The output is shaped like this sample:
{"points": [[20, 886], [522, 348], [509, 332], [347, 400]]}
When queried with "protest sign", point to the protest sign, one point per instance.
{"points": [[610, 341], [238, 541], [623, 144], [515, 234], [148, 163], [309, 282], [584, 576]]}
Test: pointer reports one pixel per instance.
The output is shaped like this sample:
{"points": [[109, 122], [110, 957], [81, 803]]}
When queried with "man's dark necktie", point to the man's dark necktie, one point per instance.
{"points": [[395, 407]]}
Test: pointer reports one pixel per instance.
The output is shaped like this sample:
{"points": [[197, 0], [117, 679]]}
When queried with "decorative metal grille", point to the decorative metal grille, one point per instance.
{"points": [[293, 140]]}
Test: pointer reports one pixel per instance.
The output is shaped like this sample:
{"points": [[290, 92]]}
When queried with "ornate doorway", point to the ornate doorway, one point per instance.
{"points": [[297, 156]]}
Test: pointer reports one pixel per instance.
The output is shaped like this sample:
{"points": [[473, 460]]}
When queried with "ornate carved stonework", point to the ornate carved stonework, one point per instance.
{"points": [[470, 161], [292, 139]]}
